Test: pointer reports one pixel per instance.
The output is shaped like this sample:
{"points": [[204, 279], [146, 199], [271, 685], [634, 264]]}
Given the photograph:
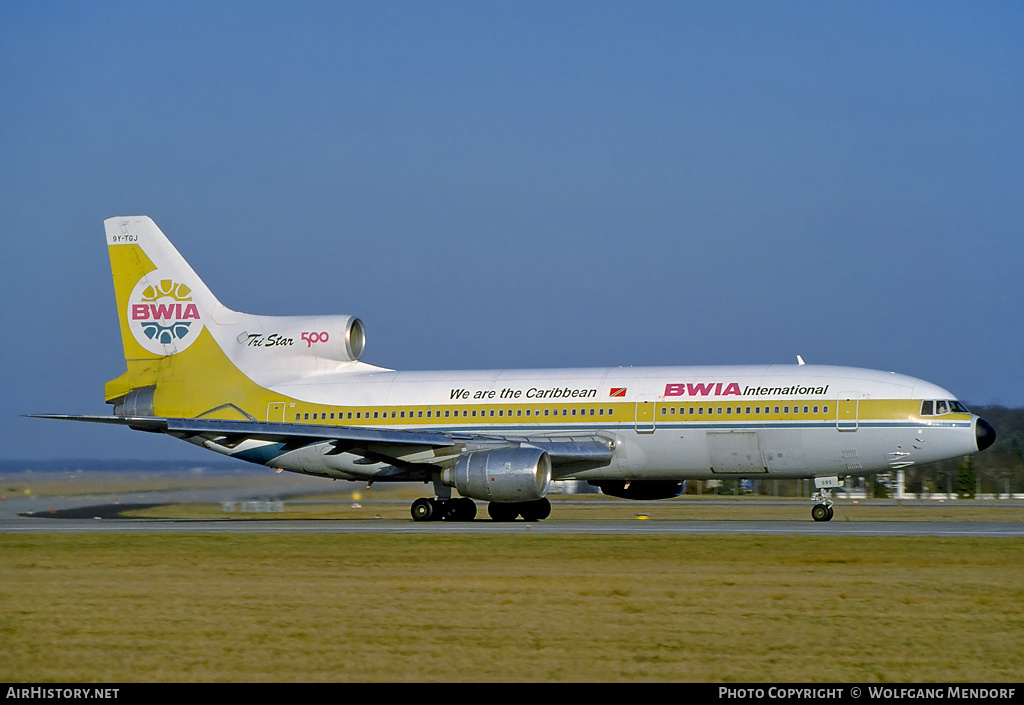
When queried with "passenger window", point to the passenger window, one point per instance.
{"points": [[298, 417]]}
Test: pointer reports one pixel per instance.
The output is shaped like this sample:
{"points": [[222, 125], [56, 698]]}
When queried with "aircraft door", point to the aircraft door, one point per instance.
{"points": [[275, 411], [644, 420], [847, 411]]}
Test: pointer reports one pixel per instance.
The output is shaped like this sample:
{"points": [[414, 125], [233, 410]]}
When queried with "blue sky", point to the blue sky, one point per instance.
{"points": [[521, 184]]}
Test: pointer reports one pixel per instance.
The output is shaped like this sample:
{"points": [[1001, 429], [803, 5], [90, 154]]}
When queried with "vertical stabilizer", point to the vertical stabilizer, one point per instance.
{"points": [[162, 305], [187, 355]]}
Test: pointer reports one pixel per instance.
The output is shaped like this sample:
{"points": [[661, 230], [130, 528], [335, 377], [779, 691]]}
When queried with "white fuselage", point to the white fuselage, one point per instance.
{"points": [[665, 423]]}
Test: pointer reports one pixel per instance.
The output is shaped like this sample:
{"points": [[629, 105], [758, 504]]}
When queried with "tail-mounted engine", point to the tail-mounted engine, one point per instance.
{"points": [[268, 347], [337, 338], [501, 475]]}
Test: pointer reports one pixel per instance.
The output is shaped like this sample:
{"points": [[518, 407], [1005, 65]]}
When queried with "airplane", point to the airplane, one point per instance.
{"points": [[292, 393]]}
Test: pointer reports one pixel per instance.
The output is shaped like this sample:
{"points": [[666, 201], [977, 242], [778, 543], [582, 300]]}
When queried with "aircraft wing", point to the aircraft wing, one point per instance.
{"points": [[377, 444]]}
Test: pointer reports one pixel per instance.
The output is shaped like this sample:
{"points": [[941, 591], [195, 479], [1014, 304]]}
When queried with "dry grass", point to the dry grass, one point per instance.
{"points": [[332, 607]]}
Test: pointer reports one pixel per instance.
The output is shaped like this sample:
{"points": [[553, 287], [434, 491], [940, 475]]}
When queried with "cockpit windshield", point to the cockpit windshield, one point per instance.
{"points": [[931, 407]]}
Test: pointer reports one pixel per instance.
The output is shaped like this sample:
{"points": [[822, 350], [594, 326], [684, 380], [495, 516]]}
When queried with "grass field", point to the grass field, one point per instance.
{"points": [[524, 607], [124, 607]]}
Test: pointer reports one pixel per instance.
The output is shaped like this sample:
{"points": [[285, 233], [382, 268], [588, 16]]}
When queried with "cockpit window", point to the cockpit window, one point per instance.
{"points": [[931, 407]]}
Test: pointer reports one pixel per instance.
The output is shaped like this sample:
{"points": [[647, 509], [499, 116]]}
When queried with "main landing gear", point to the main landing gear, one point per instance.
{"points": [[430, 509], [464, 509]]}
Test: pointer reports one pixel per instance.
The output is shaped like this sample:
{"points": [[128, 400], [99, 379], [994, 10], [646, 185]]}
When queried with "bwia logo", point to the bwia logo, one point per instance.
{"points": [[162, 316]]}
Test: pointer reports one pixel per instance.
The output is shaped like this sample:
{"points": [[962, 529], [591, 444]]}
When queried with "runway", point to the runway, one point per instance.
{"points": [[102, 514], [936, 529]]}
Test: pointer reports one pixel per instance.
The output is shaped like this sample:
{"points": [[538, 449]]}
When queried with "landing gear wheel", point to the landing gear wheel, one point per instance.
{"points": [[821, 512], [538, 510], [424, 509], [831, 512], [461, 509], [501, 511]]}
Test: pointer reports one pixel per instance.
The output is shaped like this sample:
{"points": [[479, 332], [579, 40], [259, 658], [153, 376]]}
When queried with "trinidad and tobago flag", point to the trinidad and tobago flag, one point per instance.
{"points": [[617, 392]]}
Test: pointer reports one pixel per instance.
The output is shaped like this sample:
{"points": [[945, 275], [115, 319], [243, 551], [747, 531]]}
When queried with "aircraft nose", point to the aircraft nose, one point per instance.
{"points": [[985, 434]]}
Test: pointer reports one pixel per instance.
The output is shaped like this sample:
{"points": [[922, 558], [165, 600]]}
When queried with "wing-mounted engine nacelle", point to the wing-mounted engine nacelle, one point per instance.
{"points": [[501, 475], [326, 338], [641, 489]]}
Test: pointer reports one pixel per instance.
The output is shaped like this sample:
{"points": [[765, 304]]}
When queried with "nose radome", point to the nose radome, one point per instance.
{"points": [[985, 434]]}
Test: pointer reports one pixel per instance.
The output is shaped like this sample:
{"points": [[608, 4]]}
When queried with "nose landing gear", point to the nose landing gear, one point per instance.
{"points": [[821, 512], [822, 509]]}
